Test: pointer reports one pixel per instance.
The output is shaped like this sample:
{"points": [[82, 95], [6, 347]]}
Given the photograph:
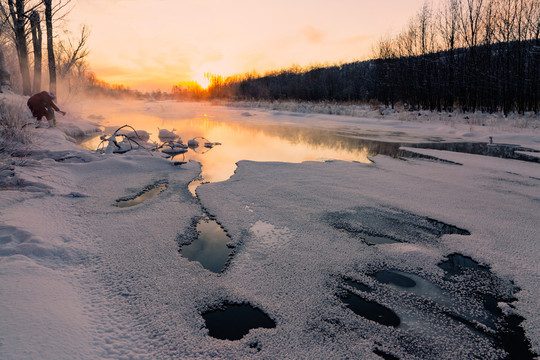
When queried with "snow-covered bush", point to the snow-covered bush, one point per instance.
{"points": [[14, 135]]}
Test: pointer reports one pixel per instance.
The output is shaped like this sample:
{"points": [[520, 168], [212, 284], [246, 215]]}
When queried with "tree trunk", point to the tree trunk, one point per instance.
{"points": [[50, 47], [17, 15], [5, 77], [35, 24]]}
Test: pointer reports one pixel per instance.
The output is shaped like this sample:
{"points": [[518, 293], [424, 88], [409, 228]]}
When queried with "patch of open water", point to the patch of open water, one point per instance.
{"points": [[234, 321], [371, 310], [210, 247], [146, 194]]}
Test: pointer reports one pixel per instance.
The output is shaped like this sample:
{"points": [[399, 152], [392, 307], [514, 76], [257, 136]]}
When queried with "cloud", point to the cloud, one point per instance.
{"points": [[312, 34], [358, 39]]}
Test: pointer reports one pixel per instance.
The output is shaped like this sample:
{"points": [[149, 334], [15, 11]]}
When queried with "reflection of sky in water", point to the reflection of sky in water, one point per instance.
{"points": [[210, 248], [145, 195], [239, 141]]}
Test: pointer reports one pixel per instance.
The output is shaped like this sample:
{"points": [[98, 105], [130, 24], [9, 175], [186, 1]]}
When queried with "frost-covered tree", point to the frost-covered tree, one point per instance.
{"points": [[15, 14], [72, 53]]}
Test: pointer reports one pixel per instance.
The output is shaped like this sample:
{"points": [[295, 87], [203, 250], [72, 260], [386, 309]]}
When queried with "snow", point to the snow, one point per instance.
{"points": [[82, 278], [167, 135]]}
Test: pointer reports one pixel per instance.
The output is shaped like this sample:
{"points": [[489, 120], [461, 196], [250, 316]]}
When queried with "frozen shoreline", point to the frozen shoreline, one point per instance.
{"points": [[80, 277]]}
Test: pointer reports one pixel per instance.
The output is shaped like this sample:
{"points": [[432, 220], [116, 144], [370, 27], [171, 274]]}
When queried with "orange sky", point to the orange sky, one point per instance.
{"points": [[154, 44]]}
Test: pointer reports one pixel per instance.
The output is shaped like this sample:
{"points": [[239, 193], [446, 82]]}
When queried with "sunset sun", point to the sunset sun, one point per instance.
{"points": [[203, 81]]}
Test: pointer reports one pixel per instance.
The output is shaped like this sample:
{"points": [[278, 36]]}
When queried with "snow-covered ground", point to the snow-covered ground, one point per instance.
{"points": [[81, 278]]}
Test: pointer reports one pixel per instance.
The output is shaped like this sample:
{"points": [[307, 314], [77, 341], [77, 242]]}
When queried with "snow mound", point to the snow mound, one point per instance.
{"points": [[167, 135]]}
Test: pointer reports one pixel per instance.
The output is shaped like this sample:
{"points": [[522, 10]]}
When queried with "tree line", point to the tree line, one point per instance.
{"points": [[475, 55]]}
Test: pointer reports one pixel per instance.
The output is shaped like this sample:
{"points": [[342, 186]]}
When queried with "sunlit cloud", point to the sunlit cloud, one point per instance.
{"points": [[312, 34]]}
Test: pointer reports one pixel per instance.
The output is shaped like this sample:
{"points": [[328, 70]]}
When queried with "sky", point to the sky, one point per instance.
{"points": [[153, 45]]}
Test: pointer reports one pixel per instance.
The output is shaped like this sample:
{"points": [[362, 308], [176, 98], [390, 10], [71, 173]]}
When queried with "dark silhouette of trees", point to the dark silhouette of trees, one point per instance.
{"points": [[476, 55]]}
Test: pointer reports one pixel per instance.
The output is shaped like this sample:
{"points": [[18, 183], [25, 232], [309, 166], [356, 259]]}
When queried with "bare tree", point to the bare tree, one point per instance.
{"points": [[51, 10], [15, 15], [424, 24], [449, 25], [5, 76], [471, 20], [71, 53], [35, 24], [71, 56], [507, 20], [50, 45]]}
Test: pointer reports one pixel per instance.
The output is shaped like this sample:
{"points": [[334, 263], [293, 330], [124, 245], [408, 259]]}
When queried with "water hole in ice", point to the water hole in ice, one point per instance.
{"points": [[385, 355], [148, 193], [456, 264], [370, 309], [209, 247], [234, 321]]}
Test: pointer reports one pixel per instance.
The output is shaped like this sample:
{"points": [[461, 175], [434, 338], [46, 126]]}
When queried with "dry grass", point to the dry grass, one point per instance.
{"points": [[15, 136]]}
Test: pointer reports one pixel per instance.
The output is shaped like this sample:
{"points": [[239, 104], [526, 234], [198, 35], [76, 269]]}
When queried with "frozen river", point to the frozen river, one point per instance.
{"points": [[334, 247], [465, 307]]}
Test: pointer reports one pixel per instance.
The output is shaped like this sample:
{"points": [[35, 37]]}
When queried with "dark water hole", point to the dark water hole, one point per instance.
{"points": [[210, 247], [385, 355], [148, 193], [370, 310], [457, 263], [234, 321]]}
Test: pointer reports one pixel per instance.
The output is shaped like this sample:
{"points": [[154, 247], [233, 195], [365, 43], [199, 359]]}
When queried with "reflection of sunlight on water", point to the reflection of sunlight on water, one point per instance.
{"points": [[256, 142]]}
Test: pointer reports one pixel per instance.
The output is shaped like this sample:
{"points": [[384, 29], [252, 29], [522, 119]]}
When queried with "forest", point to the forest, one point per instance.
{"points": [[471, 55]]}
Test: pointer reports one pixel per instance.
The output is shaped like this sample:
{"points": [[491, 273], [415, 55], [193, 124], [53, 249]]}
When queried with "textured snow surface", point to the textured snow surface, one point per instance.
{"points": [[278, 213], [83, 278]]}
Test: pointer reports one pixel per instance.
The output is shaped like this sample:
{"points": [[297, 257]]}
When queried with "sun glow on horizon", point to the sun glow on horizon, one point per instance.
{"points": [[203, 81], [150, 46]]}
